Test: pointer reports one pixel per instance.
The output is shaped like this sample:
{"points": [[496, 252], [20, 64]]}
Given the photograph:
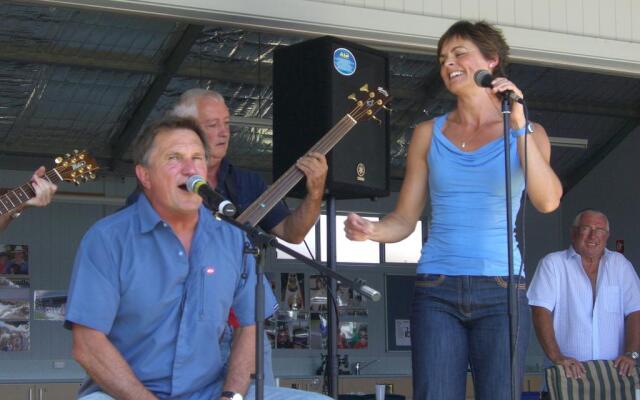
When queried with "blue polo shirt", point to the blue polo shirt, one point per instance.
{"points": [[163, 309]]}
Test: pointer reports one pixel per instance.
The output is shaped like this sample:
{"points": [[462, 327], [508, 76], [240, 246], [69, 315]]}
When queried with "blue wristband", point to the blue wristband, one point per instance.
{"points": [[518, 132]]}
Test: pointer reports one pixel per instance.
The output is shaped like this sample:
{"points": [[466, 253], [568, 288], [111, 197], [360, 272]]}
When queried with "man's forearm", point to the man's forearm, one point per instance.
{"points": [[106, 366], [301, 220], [242, 360], [4, 222], [632, 332], [543, 324]]}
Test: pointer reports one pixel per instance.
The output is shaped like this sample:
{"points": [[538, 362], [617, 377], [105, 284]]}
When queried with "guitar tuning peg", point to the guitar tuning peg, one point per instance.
{"points": [[75, 151], [58, 160], [365, 88], [387, 108], [377, 120], [352, 96], [67, 155], [92, 176]]}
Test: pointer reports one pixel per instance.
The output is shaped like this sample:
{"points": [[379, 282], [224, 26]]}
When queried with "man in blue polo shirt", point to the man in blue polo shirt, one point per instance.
{"points": [[153, 284], [243, 187]]}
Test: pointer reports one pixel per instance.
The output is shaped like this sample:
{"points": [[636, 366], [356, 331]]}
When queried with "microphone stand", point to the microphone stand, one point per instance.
{"points": [[261, 240], [511, 291]]}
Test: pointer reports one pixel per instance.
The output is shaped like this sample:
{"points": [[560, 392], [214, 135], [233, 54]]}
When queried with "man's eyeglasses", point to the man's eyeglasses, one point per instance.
{"points": [[586, 230]]}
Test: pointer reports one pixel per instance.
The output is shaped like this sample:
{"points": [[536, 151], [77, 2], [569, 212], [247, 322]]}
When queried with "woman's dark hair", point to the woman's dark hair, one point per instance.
{"points": [[488, 38]]}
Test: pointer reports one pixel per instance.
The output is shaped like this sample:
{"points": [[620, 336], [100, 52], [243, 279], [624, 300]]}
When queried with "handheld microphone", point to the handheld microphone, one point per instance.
{"points": [[483, 78], [212, 199]]}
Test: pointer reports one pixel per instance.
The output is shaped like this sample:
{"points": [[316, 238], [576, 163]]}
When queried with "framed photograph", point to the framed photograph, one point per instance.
{"points": [[292, 291], [14, 304], [49, 305], [14, 259], [14, 336]]}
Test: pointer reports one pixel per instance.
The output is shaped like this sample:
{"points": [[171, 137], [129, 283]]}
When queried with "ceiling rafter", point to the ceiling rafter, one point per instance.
{"points": [[120, 143], [582, 170]]}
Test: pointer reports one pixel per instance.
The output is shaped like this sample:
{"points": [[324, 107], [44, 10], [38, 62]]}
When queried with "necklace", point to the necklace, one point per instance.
{"points": [[466, 141]]}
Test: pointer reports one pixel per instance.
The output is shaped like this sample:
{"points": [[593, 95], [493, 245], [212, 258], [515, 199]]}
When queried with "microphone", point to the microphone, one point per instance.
{"points": [[483, 78], [368, 291], [212, 199]]}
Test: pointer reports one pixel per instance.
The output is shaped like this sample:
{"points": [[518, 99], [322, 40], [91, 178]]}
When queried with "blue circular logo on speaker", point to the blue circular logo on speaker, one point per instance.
{"points": [[344, 62]]}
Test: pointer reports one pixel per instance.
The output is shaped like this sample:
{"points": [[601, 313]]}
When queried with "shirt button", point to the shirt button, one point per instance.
{"points": [[164, 224], [180, 253]]}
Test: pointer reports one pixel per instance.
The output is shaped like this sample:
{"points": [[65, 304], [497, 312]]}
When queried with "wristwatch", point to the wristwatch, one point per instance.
{"points": [[633, 354], [231, 395]]}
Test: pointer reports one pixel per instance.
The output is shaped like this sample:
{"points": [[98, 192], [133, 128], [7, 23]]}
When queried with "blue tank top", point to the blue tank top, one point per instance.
{"points": [[467, 230]]}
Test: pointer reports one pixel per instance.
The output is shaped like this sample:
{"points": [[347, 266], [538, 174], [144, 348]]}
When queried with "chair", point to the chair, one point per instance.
{"points": [[601, 382]]}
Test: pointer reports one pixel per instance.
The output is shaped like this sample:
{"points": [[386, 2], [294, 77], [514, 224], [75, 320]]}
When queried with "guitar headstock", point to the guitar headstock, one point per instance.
{"points": [[77, 167], [368, 103]]}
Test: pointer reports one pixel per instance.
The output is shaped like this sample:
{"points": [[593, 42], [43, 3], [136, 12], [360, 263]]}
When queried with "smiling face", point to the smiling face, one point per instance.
{"points": [[590, 235], [459, 60], [175, 155], [213, 118]]}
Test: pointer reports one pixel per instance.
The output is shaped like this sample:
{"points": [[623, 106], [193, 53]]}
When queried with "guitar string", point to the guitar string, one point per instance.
{"points": [[293, 175], [286, 182]]}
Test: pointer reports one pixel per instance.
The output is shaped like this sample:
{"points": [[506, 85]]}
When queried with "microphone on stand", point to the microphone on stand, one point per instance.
{"points": [[483, 78], [212, 199]]}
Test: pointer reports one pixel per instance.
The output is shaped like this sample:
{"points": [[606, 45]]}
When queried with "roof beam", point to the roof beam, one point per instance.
{"points": [[120, 143], [592, 162]]}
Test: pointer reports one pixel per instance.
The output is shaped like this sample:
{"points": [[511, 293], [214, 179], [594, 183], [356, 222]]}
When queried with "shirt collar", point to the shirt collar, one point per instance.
{"points": [[149, 217], [571, 252]]}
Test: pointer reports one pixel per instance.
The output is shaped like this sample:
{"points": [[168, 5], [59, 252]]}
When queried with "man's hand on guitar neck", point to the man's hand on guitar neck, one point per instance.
{"points": [[43, 188], [44, 191]]}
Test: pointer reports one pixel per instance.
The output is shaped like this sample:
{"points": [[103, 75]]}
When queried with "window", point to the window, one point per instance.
{"points": [[301, 248], [347, 250], [407, 250]]}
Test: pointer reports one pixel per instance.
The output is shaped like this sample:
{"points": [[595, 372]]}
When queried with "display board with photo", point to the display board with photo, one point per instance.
{"points": [[49, 305], [14, 336], [353, 335], [317, 293], [292, 291], [14, 282], [14, 259], [14, 304]]}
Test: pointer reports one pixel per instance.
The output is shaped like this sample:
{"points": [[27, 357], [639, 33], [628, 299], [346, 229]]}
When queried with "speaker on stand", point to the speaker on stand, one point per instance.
{"points": [[312, 81]]}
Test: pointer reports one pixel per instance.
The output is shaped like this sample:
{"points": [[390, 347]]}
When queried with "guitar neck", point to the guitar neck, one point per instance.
{"points": [[20, 195], [279, 189]]}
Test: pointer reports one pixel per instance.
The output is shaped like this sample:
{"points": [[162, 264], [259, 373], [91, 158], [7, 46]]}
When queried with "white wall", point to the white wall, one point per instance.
{"points": [[599, 35]]}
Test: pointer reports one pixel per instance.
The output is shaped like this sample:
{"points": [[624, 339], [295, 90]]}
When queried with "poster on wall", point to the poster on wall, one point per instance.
{"points": [[14, 304], [13, 282], [353, 335], [292, 334], [403, 332], [318, 331], [14, 259], [49, 305], [14, 336], [292, 291], [351, 302], [317, 293]]}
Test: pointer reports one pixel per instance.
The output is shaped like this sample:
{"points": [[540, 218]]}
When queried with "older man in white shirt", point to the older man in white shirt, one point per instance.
{"points": [[586, 301]]}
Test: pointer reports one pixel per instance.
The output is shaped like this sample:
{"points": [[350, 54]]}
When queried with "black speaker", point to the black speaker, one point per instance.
{"points": [[311, 84]]}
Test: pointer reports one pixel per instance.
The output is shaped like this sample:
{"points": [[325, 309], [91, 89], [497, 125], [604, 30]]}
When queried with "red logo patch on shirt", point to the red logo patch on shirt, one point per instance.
{"points": [[210, 270]]}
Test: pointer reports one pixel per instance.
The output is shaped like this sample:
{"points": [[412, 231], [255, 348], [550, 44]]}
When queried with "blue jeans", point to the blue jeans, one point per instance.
{"points": [[461, 321]]}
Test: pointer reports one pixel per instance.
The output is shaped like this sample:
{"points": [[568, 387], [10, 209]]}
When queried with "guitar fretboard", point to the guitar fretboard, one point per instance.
{"points": [[20, 195], [276, 192]]}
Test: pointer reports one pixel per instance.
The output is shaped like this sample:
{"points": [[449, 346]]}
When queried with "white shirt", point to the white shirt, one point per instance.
{"points": [[583, 330]]}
